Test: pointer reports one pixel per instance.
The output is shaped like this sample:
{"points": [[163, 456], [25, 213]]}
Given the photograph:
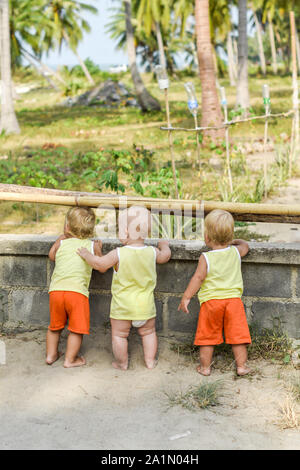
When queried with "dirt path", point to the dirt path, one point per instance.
{"points": [[98, 407]]}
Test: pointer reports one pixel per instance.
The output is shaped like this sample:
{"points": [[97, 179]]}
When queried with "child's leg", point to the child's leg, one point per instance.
{"points": [[73, 346], [149, 340], [52, 340], [240, 356], [206, 354], [120, 331]]}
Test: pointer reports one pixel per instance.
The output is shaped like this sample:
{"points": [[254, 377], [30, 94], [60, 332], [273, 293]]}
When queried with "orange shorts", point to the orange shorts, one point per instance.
{"points": [[222, 314], [74, 306]]}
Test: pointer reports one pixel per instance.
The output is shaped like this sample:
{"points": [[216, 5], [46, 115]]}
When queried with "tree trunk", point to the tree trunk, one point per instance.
{"points": [[272, 43], [81, 62], [162, 57], [44, 67], [260, 43], [231, 63], [298, 49], [242, 84], [146, 101], [40, 70], [8, 121], [211, 109]]}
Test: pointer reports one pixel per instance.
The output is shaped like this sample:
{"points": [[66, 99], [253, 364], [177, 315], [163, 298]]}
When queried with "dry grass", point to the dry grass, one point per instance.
{"points": [[289, 415], [200, 397]]}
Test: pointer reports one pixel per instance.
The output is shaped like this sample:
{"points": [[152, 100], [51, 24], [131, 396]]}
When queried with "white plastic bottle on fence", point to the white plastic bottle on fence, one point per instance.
{"points": [[192, 99], [162, 77]]}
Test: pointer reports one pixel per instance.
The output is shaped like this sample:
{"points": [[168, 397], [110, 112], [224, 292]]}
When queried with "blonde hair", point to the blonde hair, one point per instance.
{"points": [[134, 223], [219, 226], [81, 222]]}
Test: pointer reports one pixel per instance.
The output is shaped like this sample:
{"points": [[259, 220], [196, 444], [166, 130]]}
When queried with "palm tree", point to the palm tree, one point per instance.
{"points": [[69, 25], [8, 121], [211, 110], [154, 14], [27, 25], [146, 101], [255, 7], [242, 84]]}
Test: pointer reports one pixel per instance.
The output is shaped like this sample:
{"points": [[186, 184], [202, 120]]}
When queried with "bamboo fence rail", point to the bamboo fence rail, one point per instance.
{"points": [[283, 213]]}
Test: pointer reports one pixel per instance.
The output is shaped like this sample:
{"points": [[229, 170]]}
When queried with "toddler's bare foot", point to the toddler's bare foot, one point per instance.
{"points": [[78, 361], [151, 364], [204, 371], [116, 365], [51, 359], [243, 370]]}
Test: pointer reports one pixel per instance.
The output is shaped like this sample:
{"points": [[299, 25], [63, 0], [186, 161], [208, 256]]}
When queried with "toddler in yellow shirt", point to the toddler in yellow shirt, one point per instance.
{"points": [[219, 278], [133, 284]]}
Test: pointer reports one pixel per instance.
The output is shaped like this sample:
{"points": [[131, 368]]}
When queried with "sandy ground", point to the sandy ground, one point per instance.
{"points": [[98, 407]]}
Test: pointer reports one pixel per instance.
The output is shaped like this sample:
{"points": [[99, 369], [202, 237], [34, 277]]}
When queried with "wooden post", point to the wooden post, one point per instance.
{"points": [[193, 108], [170, 138], [224, 104], [163, 83], [198, 147], [295, 145], [266, 98]]}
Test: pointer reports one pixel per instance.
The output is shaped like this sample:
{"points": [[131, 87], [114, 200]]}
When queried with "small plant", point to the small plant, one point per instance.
{"points": [[199, 397]]}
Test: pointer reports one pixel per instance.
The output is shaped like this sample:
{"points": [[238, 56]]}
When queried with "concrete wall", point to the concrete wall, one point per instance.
{"points": [[271, 285]]}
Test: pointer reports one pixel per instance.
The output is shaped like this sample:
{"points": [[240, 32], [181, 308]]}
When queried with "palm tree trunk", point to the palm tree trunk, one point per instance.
{"points": [[8, 120], [231, 63], [43, 66], [260, 43], [298, 48], [81, 62], [211, 110], [162, 57], [40, 70], [146, 101], [272, 43], [242, 84]]}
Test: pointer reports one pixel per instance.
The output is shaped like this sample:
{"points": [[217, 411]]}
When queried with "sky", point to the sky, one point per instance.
{"points": [[96, 45]]}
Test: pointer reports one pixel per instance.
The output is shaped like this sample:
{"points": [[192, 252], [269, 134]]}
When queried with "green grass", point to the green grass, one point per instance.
{"points": [[79, 130]]}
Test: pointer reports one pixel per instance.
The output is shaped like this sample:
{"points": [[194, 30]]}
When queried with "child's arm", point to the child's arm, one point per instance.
{"points": [[98, 248], [194, 284], [55, 246], [163, 252], [242, 246], [101, 263]]}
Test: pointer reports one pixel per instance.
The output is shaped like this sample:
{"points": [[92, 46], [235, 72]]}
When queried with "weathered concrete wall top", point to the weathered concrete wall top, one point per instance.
{"points": [[271, 274]]}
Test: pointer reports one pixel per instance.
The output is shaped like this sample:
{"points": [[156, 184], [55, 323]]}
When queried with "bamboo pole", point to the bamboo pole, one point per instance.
{"points": [[266, 100], [224, 104], [295, 84], [284, 213], [170, 138]]}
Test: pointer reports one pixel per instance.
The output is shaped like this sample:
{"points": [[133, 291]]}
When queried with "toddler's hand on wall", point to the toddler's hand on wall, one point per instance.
{"points": [[184, 305]]}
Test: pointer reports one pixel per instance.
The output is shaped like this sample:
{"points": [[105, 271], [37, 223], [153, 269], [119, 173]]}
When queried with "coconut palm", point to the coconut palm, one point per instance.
{"points": [[242, 82], [8, 119], [154, 15], [66, 16], [146, 101], [255, 6], [211, 110]]}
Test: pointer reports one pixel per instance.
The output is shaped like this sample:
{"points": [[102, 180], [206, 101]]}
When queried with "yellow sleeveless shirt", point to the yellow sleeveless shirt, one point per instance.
{"points": [[224, 276], [71, 272], [133, 284]]}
